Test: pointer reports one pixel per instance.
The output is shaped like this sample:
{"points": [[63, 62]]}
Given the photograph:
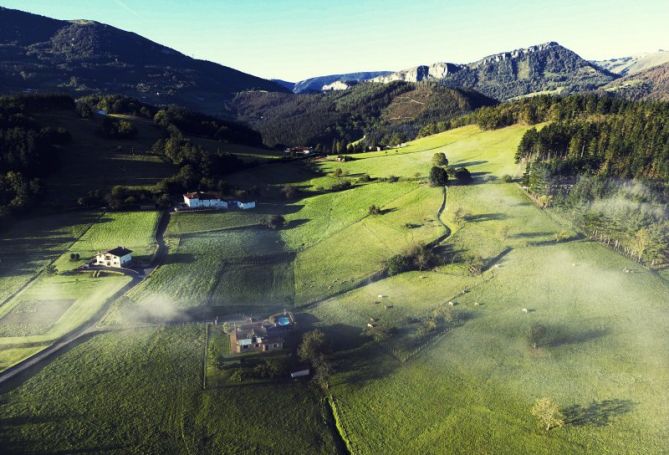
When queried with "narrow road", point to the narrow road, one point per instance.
{"points": [[89, 328]]}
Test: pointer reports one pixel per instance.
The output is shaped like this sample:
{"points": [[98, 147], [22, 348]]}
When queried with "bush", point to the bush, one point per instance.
{"points": [[438, 176], [374, 210], [506, 178], [275, 222], [341, 186], [439, 159]]}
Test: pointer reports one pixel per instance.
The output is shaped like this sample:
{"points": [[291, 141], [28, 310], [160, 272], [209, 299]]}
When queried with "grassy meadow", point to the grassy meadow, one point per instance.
{"points": [[52, 305], [465, 388]]}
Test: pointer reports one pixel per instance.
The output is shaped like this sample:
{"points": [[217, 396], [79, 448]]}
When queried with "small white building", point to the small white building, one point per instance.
{"points": [[118, 257], [246, 205], [201, 199]]}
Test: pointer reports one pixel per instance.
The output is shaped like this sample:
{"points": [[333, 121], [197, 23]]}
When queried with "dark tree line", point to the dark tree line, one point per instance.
{"points": [[28, 151]]}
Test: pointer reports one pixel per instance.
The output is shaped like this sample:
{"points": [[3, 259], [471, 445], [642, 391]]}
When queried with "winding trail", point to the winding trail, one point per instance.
{"points": [[89, 328]]}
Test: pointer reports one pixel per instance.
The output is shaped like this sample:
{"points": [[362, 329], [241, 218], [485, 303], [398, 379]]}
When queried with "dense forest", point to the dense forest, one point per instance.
{"points": [[28, 151]]}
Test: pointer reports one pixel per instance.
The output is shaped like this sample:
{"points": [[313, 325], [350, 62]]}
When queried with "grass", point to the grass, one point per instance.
{"points": [[53, 305], [27, 246], [474, 389], [466, 390], [140, 391]]}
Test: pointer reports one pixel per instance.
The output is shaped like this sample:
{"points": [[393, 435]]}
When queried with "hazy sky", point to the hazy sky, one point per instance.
{"points": [[296, 39]]}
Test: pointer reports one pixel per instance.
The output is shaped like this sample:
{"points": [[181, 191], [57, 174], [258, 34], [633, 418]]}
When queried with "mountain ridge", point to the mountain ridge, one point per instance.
{"points": [[546, 67], [84, 57]]}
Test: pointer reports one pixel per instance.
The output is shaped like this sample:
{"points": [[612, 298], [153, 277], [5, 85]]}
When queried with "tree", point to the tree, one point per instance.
{"points": [[338, 172], [275, 222], [640, 242], [548, 414], [51, 269], [323, 371], [536, 334], [313, 346], [289, 191], [374, 210], [439, 159], [438, 176]]}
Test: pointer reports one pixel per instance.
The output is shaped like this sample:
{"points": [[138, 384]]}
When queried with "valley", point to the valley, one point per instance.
{"points": [[474, 381]]}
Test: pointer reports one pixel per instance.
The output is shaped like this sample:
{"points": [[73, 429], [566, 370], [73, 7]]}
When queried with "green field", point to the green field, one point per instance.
{"points": [[51, 306], [465, 387], [141, 391]]}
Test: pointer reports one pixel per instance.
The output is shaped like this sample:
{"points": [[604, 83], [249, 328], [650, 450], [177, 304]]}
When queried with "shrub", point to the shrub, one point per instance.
{"points": [[374, 210], [275, 222], [506, 178], [438, 176], [341, 186]]}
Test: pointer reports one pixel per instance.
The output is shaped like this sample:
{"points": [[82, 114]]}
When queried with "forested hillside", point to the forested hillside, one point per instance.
{"points": [[382, 114]]}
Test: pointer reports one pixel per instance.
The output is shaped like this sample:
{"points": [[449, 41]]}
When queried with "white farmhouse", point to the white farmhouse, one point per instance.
{"points": [[201, 199], [118, 257]]}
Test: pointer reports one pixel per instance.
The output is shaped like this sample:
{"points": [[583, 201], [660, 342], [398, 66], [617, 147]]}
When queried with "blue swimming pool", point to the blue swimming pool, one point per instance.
{"points": [[283, 321]]}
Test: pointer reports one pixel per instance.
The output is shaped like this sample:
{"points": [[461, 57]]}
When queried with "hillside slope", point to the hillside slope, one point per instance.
{"points": [[541, 68], [626, 66], [39, 53], [383, 113], [317, 84], [651, 84]]}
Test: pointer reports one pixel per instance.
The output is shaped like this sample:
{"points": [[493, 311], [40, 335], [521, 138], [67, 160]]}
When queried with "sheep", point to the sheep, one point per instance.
{"points": [[525, 310]]}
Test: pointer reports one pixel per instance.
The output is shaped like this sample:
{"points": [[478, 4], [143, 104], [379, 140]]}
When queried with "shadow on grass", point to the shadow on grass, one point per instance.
{"points": [[598, 413], [469, 163], [529, 235], [561, 336], [485, 217]]}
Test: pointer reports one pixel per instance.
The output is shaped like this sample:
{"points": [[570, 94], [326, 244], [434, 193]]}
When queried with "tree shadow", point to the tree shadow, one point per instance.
{"points": [[561, 336], [529, 235], [389, 210], [469, 163], [485, 217], [598, 413], [295, 223]]}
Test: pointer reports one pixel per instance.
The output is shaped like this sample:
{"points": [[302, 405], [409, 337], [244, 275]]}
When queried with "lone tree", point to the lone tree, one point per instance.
{"points": [[275, 222], [439, 159], [536, 335], [438, 176], [313, 346], [547, 413], [374, 210]]}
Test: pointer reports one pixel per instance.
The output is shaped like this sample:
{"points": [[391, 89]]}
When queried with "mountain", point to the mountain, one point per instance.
{"points": [[547, 67], [381, 113], [651, 84], [83, 57], [627, 66], [320, 83]]}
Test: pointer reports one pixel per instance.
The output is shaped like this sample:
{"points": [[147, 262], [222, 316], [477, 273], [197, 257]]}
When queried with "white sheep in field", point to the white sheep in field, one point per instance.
{"points": [[451, 303], [525, 310]]}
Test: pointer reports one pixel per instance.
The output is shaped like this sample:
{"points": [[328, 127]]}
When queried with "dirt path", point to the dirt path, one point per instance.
{"points": [[22, 369]]}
